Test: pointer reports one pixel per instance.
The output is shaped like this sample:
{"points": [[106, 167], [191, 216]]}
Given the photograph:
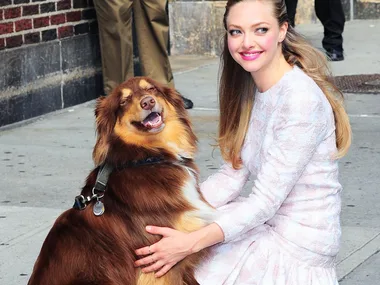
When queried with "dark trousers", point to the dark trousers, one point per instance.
{"points": [[115, 32], [331, 15]]}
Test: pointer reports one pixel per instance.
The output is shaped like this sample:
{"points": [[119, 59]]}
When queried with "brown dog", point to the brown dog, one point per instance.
{"points": [[147, 144]]}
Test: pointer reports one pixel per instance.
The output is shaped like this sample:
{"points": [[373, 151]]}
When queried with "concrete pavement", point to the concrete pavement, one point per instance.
{"points": [[44, 161]]}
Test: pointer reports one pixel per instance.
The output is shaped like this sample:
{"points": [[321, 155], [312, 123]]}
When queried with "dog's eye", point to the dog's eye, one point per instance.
{"points": [[124, 101], [125, 95], [151, 88]]}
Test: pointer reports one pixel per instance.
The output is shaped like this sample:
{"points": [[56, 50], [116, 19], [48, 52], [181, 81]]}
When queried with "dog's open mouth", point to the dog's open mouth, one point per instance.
{"points": [[153, 121]]}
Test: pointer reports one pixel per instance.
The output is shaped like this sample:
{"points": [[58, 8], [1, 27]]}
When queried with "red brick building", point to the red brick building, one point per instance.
{"points": [[49, 56]]}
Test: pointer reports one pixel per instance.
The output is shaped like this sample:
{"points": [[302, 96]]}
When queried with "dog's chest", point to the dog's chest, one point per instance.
{"points": [[160, 188], [155, 184]]}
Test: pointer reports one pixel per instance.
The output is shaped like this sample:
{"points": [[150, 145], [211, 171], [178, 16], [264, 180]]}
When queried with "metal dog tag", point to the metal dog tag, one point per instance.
{"points": [[98, 208]]}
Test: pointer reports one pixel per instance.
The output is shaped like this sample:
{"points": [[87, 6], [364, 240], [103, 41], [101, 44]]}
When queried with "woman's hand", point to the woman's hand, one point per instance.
{"points": [[163, 255], [175, 246]]}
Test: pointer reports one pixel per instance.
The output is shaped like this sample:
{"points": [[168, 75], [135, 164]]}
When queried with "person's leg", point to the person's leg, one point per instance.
{"points": [[331, 14], [115, 33], [291, 8], [152, 29]]}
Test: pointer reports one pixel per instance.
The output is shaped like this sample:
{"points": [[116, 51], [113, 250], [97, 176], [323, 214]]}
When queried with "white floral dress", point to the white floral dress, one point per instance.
{"points": [[287, 232]]}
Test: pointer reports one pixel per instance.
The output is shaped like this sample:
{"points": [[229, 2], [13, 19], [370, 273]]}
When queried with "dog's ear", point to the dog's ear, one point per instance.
{"points": [[105, 115], [175, 98]]}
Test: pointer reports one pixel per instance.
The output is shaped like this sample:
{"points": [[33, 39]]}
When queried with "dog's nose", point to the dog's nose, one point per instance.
{"points": [[148, 103]]}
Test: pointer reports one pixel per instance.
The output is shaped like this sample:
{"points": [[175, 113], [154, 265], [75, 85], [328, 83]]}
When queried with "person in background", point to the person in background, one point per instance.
{"points": [[331, 15], [152, 32], [282, 120]]}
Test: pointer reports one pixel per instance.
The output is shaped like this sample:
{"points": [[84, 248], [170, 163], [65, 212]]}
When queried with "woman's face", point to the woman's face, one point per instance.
{"points": [[254, 34]]}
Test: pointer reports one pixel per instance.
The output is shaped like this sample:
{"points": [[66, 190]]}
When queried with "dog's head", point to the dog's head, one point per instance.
{"points": [[145, 114]]}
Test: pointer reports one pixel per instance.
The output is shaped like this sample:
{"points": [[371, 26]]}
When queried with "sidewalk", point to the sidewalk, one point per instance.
{"points": [[44, 161]]}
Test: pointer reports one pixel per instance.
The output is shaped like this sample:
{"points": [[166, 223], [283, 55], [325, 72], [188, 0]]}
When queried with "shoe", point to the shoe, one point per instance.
{"points": [[334, 55], [187, 102]]}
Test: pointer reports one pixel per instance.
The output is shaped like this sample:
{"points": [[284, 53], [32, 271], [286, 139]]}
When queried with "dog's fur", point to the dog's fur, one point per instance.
{"points": [[82, 248]]}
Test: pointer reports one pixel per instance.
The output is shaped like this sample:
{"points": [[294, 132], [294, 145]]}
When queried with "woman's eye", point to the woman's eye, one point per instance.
{"points": [[262, 30], [233, 32]]}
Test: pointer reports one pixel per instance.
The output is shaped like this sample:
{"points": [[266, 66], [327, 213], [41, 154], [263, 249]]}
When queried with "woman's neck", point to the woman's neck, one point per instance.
{"points": [[269, 75]]}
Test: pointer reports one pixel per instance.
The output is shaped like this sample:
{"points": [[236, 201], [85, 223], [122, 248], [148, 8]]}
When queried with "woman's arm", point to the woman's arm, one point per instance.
{"points": [[303, 120], [175, 246], [225, 185]]}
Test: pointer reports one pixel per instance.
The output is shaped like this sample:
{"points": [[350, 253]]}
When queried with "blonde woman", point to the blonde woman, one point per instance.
{"points": [[282, 120]]}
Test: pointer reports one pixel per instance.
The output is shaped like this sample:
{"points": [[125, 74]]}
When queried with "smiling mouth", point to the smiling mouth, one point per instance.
{"points": [[153, 121], [251, 55]]}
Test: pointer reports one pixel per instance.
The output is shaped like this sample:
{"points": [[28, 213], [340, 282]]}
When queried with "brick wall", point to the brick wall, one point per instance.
{"points": [[24, 22], [49, 56]]}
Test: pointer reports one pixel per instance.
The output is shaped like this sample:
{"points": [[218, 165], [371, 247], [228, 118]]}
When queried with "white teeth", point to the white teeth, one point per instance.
{"points": [[250, 54]]}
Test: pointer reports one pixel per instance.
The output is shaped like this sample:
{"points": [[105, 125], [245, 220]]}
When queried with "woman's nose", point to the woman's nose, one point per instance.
{"points": [[248, 42]]}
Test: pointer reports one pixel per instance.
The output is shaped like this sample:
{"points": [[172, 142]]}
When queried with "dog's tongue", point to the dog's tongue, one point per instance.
{"points": [[153, 120]]}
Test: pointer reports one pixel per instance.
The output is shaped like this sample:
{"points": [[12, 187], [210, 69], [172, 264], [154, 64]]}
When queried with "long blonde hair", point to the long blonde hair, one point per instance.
{"points": [[237, 89]]}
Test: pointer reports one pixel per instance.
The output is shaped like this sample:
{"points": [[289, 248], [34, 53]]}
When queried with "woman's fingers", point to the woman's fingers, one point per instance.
{"points": [[164, 254], [163, 270], [143, 250], [163, 231], [146, 250], [153, 267], [146, 260]]}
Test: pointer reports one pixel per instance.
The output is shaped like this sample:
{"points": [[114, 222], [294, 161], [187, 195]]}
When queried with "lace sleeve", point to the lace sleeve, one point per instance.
{"points": [[225, 185], [300, 126]]}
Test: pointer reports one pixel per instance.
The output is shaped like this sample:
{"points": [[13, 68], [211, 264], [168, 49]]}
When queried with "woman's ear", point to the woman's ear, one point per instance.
{"points": [[283, 31]]}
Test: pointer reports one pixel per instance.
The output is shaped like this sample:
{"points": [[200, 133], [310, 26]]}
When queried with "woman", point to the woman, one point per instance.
{"points": [[283, 121]]}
